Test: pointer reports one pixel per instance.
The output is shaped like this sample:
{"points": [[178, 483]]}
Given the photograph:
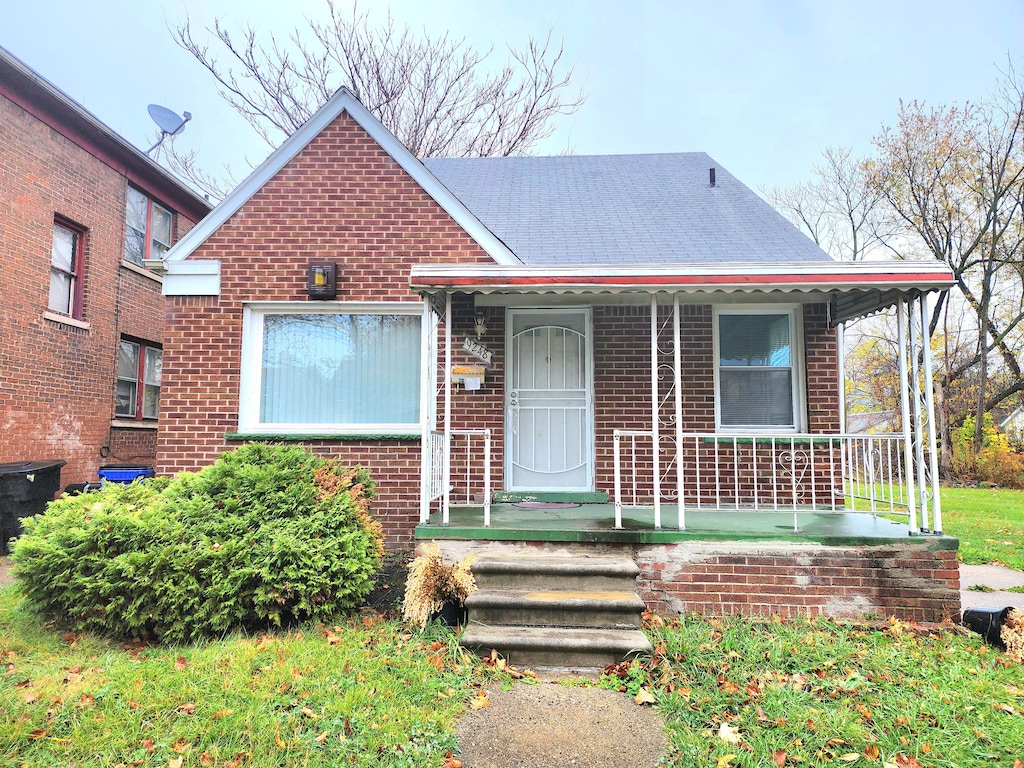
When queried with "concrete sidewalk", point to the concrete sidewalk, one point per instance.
{"points": [[999, 579]]}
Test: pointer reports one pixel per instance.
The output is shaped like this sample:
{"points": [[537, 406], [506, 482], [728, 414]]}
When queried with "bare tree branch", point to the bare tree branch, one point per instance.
{"points": [[439, 95]]}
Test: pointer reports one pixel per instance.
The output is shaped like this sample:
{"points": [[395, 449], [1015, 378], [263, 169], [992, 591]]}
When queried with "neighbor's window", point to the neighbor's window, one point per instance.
{"points": [[66, 269], [757, 382], [147, 228], [138, 380], [354, 370]]}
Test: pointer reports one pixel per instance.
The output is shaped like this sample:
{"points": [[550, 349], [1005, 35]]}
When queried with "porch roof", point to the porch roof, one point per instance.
{"points": [[851, 288]]}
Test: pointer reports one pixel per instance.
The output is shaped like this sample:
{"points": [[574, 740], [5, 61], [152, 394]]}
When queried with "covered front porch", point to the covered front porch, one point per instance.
{"points": [[680, 435]]}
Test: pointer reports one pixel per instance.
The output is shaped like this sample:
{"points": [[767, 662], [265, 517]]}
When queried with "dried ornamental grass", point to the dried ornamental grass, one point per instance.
{"points": [[1012, 634], [432, 583]]}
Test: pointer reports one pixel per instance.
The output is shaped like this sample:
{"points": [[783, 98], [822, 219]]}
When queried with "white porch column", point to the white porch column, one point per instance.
{"points": [[655, 437], [446, 474], [929, 399], [841, 344], [915, 389], [678, 383], [902, 313], [426, 392]]}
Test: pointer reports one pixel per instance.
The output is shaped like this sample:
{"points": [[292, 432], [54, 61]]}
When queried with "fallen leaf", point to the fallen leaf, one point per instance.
{"points": [[1005, 708], [181, 663], [222, 713], [729, 734], [206, 759], [850, 757], [871, 752], [724, 761], [779, 756], [308, 712], [187, 709], [175, 762], [148, 744], [643, 696], [279, 741], [906, 761], [181, 746], [322, 738], [37, 734], [479, 701]]}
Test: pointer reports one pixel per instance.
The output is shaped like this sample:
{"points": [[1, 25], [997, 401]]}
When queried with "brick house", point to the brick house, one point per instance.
{"points": [[82, 326], [526, 351]]}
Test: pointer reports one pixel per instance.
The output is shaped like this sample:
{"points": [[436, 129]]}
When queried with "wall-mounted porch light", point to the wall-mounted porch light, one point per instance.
{"points": [[480, 323], [322, 281]]}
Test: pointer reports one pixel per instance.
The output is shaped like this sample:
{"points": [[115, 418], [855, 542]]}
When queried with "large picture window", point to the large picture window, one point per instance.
{"points": [[354, 369], [147, 228], [756, 369]]}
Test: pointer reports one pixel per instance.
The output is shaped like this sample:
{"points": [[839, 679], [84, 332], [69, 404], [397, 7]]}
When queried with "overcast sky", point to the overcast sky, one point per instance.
{"points": [[760, 85]]}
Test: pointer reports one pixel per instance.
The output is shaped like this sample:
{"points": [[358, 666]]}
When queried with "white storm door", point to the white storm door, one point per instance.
{"points": [[549, 434]]}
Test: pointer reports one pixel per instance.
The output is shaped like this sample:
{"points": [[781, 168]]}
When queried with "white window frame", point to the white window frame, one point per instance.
{"points": [[250, 383], [799, 394]]}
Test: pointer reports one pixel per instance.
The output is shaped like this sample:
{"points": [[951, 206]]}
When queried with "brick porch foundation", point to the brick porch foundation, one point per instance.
{"points": [[917, 580]]}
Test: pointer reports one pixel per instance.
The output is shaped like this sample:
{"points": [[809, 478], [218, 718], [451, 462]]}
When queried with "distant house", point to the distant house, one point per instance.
{"points": [[82, 326], [640, 338]]}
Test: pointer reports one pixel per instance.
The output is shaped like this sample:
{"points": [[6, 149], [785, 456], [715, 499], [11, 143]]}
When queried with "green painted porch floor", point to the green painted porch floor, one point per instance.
{"points": [[596, 523]]}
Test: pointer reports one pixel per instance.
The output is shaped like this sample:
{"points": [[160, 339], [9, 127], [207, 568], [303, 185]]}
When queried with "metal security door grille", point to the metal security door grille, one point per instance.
{"points": [[548, 402]]}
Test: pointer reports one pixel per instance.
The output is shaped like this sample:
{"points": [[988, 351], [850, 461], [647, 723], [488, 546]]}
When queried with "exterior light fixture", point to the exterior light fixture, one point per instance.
{"points": [[322, 281], [480, 323]]}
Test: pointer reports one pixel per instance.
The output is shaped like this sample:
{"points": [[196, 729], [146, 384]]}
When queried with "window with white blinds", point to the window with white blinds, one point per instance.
{"points": [[333, 371], [756, 365]]}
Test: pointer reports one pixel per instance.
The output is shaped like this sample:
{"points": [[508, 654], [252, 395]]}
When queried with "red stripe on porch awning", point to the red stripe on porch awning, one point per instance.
{"points": [[832, 276]]}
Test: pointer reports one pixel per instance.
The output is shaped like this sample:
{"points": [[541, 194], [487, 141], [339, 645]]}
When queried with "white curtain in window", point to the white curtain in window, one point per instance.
{"points": [[340, 369]]}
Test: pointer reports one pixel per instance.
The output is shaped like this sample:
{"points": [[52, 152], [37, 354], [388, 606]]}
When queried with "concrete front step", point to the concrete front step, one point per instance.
{"points": [[602, 574], [575, 647], [555, 608]]}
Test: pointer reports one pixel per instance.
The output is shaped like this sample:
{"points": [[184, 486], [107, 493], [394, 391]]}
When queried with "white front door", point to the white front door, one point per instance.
{"points": [[549, 435]]}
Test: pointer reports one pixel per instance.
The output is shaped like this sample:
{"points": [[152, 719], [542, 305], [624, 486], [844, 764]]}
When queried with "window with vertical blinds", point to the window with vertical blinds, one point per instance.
{"points": [[756, 369], [335, 371]]}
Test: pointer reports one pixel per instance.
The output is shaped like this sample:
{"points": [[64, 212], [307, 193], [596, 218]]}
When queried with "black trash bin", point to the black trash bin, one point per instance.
{"points": [[25, 489]]}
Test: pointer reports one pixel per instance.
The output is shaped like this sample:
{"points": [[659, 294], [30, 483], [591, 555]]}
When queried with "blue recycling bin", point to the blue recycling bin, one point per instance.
{"points": [[124, 474]]}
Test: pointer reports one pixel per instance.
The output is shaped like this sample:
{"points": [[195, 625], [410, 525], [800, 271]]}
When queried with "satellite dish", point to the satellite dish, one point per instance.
{"points": [[167, 121]]}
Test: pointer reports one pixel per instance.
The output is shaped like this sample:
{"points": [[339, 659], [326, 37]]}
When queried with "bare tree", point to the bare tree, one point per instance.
{"points": [[954, 177], [439, 95], [838, 208]]}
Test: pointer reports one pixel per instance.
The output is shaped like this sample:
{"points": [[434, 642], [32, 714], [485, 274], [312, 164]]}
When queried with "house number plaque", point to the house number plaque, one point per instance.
{"points": [[478, 350]]}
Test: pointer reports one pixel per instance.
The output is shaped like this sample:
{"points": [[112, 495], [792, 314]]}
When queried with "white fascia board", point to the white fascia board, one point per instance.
{"points": [[342, 101], [191, 278]]}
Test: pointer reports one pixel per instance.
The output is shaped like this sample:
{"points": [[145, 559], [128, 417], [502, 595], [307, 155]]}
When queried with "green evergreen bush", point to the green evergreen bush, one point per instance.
{"points": [[267, 535]]}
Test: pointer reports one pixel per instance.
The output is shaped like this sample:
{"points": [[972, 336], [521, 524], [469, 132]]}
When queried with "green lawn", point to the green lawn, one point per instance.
{"points": [[372, 693], [988, 522]]}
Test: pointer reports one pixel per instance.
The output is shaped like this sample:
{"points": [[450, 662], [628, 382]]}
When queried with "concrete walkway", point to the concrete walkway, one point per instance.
{"points": [[998, 579]]}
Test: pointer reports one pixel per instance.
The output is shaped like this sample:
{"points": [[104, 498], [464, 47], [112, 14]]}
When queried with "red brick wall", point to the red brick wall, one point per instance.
{"points": [[57, 381], [343, 200], [916, 581]]}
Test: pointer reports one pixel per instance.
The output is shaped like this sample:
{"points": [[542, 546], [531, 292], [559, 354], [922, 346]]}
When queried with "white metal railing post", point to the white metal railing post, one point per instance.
{"points": [[446, 508], [929, 395], [487, 478], [616, 455], [908, 456], [656, 442], [678, 383]]}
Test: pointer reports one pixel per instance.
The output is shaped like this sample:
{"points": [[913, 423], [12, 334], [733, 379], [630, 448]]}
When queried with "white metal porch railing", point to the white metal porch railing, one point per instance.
{"points": [[789, 472], [458, 464]]}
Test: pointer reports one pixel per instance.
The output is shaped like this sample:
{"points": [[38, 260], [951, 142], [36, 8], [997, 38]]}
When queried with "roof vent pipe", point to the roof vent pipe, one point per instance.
{"points": [[711, 173]]}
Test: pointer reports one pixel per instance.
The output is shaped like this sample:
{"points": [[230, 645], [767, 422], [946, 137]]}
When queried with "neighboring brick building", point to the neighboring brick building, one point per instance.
{"points": [[82, 321], [566, 305]]}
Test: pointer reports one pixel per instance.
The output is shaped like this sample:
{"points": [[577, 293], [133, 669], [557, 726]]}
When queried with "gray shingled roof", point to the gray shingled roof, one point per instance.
{"points": [[622, 209]]}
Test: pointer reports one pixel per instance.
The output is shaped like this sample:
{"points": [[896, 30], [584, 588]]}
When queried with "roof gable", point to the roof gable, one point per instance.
{"points": [[344, 101]]}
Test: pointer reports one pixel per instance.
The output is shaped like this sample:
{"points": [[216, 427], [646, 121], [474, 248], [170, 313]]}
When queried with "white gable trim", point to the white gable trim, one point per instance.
{"points": [[342, 101], [191, 278]]}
